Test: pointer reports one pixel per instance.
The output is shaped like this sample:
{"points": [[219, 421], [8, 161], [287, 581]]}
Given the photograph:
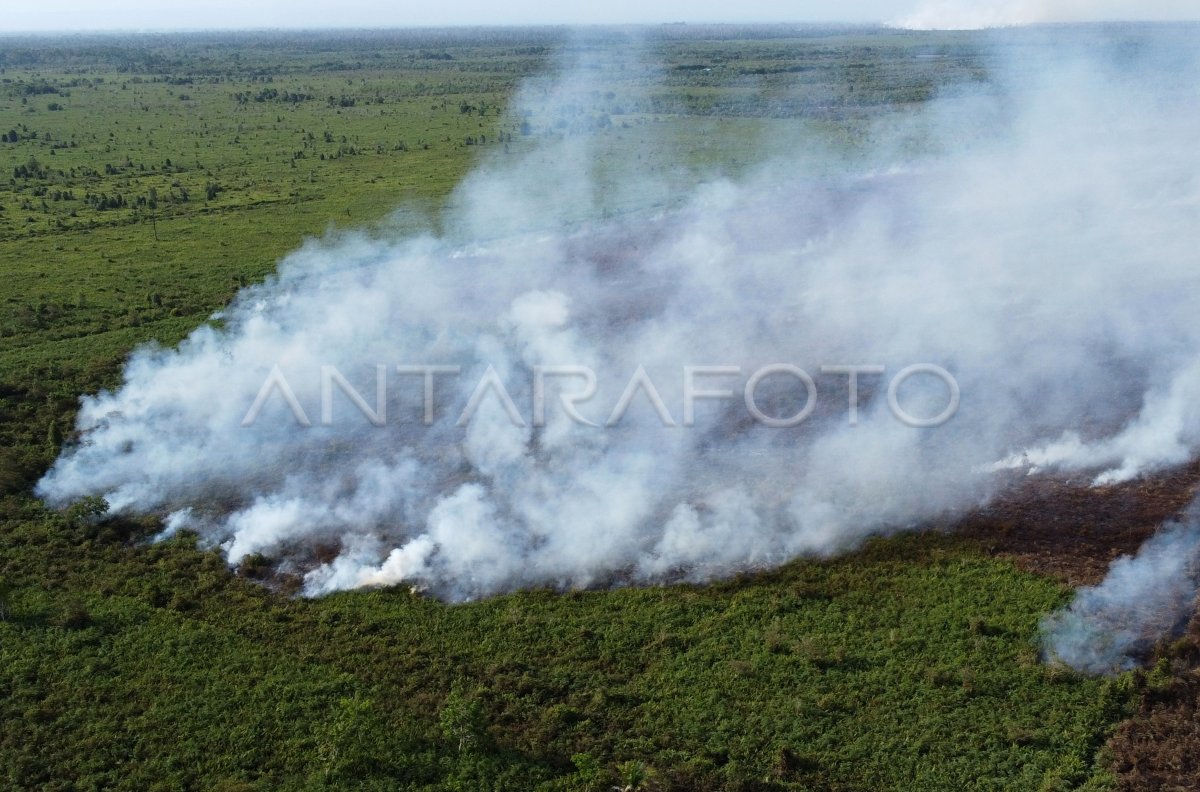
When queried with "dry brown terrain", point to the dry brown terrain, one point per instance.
{"points": [[1068, 530]]}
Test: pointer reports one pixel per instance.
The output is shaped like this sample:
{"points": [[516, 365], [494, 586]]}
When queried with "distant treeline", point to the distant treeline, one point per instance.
{"points": [[225, 53]]}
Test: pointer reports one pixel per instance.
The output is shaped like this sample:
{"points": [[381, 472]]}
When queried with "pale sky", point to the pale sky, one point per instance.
{"points": [[226, 14]]}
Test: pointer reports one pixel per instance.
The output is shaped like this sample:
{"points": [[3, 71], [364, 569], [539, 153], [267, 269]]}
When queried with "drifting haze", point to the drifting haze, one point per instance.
{"points": [[979, 14], [227, 14], [1043, 253]]}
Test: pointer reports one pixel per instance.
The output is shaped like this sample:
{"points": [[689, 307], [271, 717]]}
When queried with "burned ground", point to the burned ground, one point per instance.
{"points": [[1066, 529]]}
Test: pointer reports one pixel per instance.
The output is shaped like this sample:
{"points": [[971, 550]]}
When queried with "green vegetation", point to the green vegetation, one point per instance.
{"points": [[907, 666], [143, 181]]}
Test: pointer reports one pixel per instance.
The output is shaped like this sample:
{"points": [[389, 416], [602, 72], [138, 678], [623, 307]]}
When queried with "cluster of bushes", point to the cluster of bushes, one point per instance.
{"points": [[272, 95], [32, 169]]}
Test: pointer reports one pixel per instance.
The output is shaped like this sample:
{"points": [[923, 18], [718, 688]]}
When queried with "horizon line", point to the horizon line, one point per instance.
{"points": [[845, 24]]}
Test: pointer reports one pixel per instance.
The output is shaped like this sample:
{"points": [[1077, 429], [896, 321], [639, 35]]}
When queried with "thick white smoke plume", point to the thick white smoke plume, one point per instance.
{"points": [[1142, 598], [1042, 249], [1165, 433]]}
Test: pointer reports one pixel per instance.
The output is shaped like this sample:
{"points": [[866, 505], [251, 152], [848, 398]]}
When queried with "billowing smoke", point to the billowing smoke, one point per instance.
{"points": [[1165, 434], [1111, 626], [980, 14], [1035, 238], [968, 15]]}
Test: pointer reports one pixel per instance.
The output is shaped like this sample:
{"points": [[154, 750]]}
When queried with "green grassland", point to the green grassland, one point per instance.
{"points": [[144, 180]]}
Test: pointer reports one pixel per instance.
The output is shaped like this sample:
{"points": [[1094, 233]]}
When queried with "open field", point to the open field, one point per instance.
{"points": [[143, 181]]}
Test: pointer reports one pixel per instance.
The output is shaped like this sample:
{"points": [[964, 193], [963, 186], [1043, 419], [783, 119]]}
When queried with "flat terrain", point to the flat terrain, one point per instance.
{"points": [[144, 180]]}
